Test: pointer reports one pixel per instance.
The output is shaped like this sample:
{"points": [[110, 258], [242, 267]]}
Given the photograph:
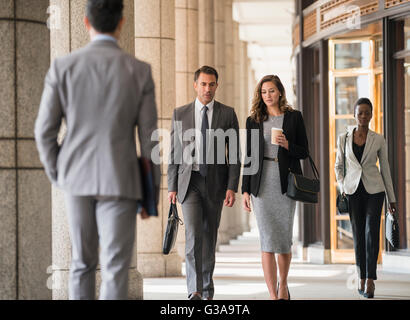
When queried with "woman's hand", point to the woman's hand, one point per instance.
{"points": [[246, 202], [392, 207], [282, 141]]}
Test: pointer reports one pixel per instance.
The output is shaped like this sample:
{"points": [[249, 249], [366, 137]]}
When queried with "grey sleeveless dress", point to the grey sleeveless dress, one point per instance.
{"points": [[273, 210]]}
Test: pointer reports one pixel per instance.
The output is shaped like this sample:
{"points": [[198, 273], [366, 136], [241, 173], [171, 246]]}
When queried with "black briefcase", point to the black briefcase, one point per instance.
{"points": [[392, 230], [170, 235], [302, 188]]}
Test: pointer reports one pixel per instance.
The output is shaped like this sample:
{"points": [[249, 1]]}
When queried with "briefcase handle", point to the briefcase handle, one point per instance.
{"points": [[173, 209]]}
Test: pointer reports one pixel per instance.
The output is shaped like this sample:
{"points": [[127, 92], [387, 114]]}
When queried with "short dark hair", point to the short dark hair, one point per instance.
{"points": [[207, 70], [363, 101], [104, 15]]}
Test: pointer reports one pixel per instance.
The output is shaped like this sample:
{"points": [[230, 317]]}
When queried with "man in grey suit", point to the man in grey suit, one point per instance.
{"points": [[103, 94], [203, 175]]}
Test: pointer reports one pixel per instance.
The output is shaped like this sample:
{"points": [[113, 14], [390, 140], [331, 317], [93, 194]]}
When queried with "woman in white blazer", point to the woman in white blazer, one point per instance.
{"points": [[365, 186]]}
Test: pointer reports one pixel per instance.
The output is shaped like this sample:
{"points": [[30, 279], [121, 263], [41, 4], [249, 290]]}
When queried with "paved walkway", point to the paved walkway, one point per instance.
{"points": [[238, 276]]}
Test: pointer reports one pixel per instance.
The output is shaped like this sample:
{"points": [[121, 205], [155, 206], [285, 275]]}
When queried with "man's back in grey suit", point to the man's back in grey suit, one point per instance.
{"points": [[103, 94]]}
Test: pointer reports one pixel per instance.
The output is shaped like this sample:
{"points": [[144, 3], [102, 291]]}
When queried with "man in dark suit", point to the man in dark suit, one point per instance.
{"points": [[203, 175], [103, 94]]}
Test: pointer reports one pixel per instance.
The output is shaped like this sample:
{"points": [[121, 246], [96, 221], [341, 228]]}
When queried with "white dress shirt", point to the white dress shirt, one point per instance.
{"points": [[198, 124], [103, 37]]}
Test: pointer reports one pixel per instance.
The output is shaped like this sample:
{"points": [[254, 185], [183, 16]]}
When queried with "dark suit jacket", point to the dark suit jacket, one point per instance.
{"points": [[220, 176], [295, 132]]}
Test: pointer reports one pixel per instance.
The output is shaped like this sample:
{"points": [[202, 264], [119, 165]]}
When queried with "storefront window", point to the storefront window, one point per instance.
{"points": [[344, 235], [348, 90], [378, 52], [352, 55], [407, 33]]}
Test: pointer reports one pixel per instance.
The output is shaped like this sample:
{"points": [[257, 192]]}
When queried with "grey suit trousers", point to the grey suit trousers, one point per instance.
{"points": [[109, 223], [202, 216]]}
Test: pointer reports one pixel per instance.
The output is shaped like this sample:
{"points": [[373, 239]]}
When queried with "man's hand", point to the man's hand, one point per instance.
{"points": [[144, 214], [230, 198], [172, 197], [246, 202]]}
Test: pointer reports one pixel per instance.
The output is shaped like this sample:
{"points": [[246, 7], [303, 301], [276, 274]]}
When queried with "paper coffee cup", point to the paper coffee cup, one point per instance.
{"points": [[274, 134]]}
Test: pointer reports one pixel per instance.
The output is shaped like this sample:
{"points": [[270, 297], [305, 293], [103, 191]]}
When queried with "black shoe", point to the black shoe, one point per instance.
{"points": [[277, 292], [361, 290], [369, 293], [195, 296]]}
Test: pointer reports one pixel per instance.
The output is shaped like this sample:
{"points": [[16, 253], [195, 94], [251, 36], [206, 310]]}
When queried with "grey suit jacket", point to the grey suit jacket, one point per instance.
{"points": [[222, 174], [103, 93], [374, 180]]}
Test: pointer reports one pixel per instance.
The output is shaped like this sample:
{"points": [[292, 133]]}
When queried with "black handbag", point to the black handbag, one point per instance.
{"points": [[172, 229], [392, 230], [342, 202], [304, 189]]}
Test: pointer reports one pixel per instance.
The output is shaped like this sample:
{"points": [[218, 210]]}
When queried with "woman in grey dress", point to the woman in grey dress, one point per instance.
{"points": [[275, 153]]}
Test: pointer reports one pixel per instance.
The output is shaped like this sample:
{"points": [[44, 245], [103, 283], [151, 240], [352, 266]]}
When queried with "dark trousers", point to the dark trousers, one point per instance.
{"points": [[365, 213], [202, 216]]}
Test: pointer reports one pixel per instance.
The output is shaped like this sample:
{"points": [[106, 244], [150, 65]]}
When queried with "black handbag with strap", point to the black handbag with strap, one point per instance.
{"points": [[392, 230], [170, 235], [304, 189], [342, 202]]}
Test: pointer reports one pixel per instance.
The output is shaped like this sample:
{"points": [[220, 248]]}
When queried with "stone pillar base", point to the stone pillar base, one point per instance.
{"points": [[152, 265], [59, 284]]}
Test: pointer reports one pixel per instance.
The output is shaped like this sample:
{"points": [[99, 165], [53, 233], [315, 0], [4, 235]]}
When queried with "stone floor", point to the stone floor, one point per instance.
{"points": [[238, 276]]}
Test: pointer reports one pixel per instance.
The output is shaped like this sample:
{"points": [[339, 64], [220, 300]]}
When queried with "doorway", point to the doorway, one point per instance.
{"points": [[355, 70]]}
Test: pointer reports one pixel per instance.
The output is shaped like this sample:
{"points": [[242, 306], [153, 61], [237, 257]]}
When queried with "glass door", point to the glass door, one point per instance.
{"points": [[353, 73]]}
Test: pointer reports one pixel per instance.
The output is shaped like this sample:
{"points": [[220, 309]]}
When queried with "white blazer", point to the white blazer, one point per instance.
{"points": [[374, 180]]}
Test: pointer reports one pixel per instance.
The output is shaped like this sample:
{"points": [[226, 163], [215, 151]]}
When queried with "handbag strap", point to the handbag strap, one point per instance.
{"points": [[344, 157], [313, 166]]}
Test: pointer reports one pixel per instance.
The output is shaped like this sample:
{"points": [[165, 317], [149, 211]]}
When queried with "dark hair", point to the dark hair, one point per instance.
{"points": [[104, 15], [363, 101], [259, 111], [207, 70]]}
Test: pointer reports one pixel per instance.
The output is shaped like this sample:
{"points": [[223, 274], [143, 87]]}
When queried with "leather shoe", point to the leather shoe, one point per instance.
{"points": [[361, 287], [277, 291], [369, 293], [195, 296]]}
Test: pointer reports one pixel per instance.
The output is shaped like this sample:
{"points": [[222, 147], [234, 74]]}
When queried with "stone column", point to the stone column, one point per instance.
{"points": [[25, 194], [236, 86], [219, 47], [155, 44], [206, 32], [186, 63], [68, 33], [225, 94], [186, 49], [244, 106], [229, 55], [252, 81]]}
